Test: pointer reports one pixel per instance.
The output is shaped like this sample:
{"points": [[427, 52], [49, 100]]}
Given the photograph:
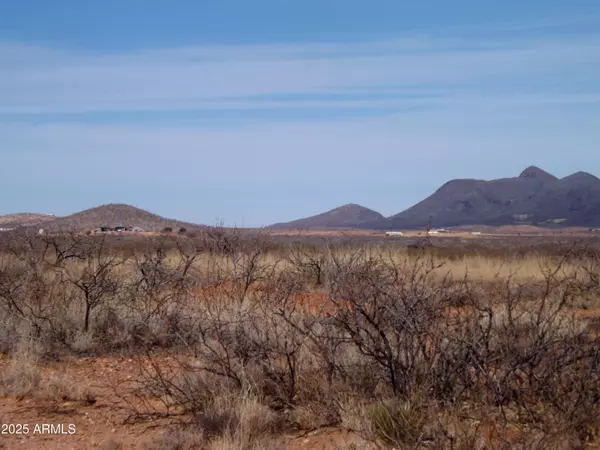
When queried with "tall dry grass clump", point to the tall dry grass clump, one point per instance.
{"points": [[22, 377]]}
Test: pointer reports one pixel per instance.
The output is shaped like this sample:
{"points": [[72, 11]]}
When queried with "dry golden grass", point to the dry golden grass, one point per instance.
{"points": [[23, 376]]}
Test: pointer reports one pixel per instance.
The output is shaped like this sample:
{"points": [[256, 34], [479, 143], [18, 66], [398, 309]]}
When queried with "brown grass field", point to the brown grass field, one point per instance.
{"points": [[232, 339]]}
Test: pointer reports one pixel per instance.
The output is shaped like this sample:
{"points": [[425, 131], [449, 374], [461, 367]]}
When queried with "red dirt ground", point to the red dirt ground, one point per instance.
{"points": [[101, 424], [97, 424], [314, 302]]}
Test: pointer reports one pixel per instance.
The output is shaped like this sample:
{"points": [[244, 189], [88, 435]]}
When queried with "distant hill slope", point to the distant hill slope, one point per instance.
{"points": [[113, 215], [534, 197], [347, 216], [24, 220], [575, 198]]}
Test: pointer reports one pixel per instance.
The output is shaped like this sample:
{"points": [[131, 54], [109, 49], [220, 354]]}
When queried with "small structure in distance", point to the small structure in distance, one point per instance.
{"points": [[394, 233], [118, 229]]}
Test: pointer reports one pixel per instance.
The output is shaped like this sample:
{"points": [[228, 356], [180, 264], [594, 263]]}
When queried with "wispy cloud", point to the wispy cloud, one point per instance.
{"points": [[36, 80]]}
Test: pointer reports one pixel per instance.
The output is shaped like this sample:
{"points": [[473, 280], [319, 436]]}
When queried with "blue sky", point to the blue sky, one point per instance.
{"points": [[266, 111]]}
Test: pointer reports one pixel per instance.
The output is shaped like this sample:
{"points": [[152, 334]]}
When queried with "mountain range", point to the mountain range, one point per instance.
{"points": [[535, 197]]}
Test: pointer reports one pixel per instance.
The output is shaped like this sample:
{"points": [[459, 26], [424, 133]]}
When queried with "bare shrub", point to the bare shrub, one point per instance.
{"points": [[309, 263], [95, 279], [389, 313]]}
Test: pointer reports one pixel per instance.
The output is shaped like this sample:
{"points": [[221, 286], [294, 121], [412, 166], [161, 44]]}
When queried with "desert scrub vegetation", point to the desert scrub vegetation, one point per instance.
{"points": [[243, 340]]}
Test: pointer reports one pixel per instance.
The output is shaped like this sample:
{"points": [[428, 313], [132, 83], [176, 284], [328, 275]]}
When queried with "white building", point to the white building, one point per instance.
{"points": [[394, 233]]}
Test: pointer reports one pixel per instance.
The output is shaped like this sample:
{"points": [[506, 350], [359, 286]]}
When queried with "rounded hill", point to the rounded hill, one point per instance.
{"points": [[346, 216], [115, 215]]}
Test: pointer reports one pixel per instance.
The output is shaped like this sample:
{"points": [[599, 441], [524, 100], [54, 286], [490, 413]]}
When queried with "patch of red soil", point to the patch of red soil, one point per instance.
{"points": [[591, 317], [458, 311], [96, 421], [101, 422], [493, 434], [581, 313], [313, 302]]}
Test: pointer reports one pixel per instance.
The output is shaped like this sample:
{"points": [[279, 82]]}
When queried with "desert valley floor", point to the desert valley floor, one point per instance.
{"points": [[109, 391]]}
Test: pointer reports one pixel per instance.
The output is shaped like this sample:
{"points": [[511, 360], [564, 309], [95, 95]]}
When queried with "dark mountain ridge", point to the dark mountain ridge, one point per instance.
{"points": [[535, 197]]}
